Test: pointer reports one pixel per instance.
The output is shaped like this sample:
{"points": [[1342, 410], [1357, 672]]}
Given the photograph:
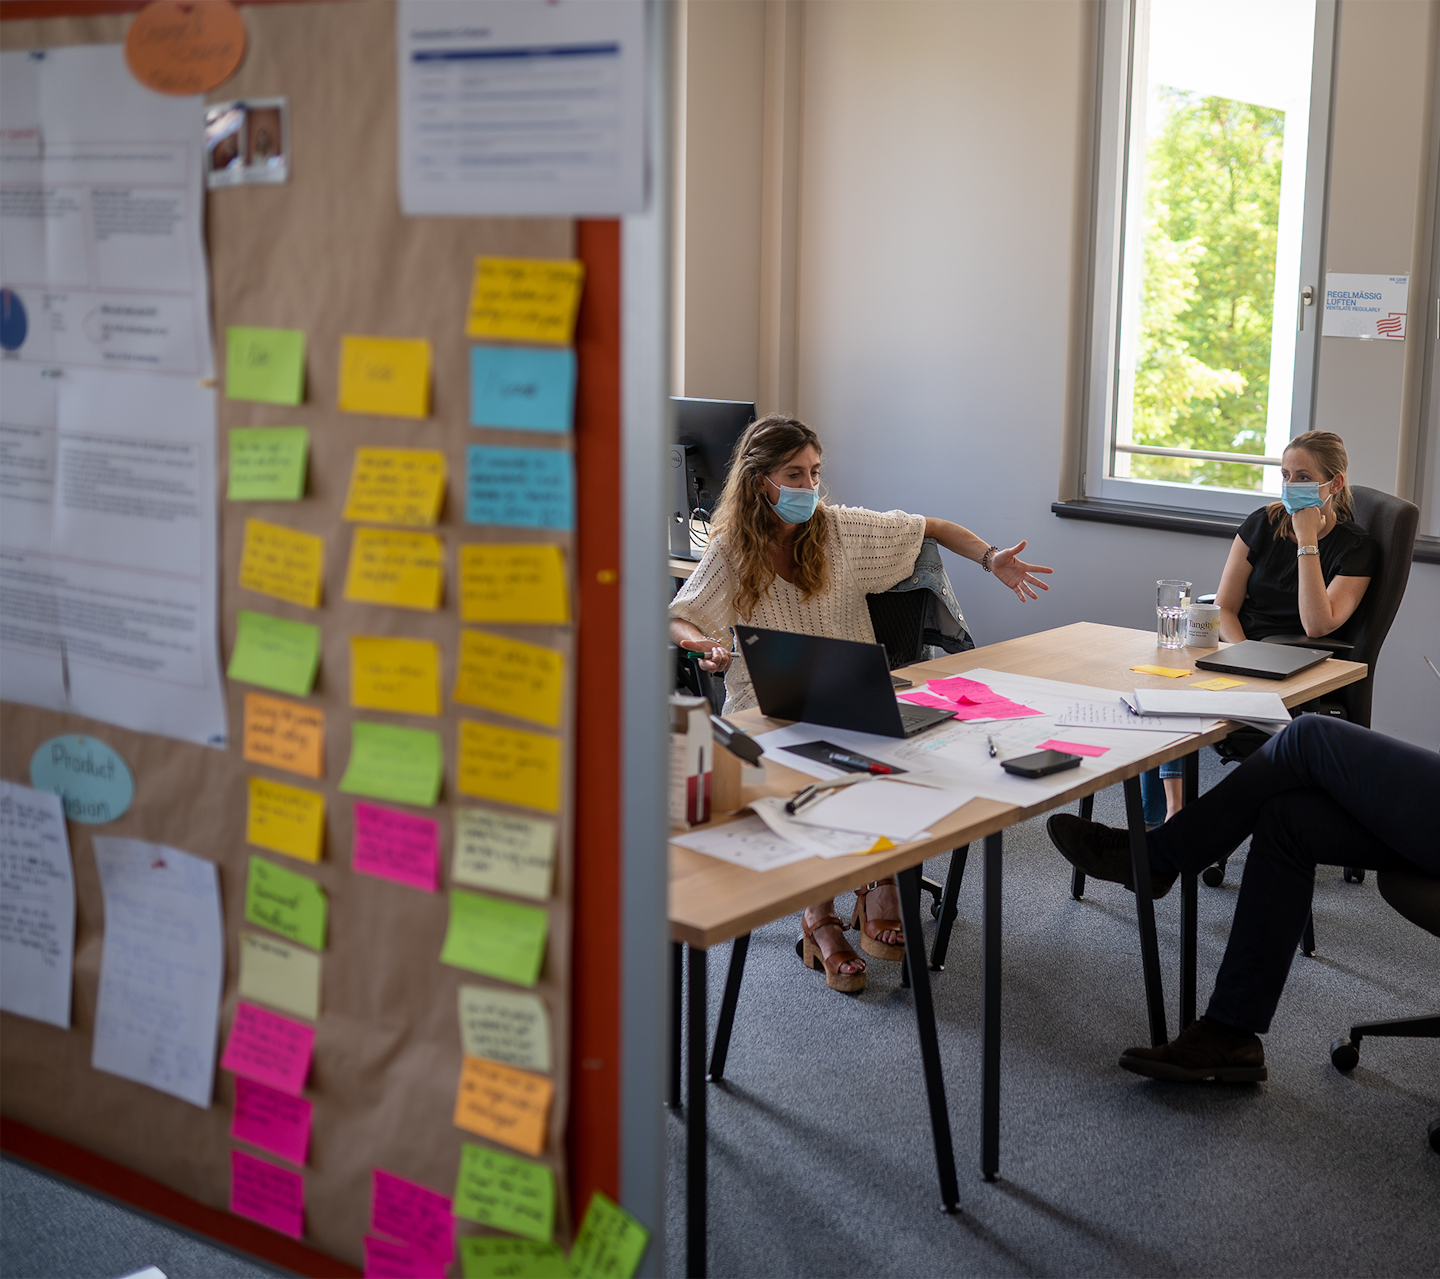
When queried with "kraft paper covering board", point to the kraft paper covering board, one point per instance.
{"points": [[283, 562], [276, 973], [482, 1256], [389, 376], [283, 271], [281, 734], [264, 364], [406, 570], [396, 486], [525, 300], [267, 464], [506, 1105], [394, 675], [510, 676], [501, 582], [275, 652]]}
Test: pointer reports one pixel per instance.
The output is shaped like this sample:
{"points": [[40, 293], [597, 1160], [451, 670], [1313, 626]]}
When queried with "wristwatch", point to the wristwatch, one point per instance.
{"points": [[1308, 550]]}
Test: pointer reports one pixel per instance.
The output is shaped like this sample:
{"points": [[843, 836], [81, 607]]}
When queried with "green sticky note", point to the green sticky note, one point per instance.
{"points": [[275, 652], [498, 938], [405, 765], [610, 1243], [507, 1193], [286, 903], [267, 463], [265, 364], [484, 1256]]}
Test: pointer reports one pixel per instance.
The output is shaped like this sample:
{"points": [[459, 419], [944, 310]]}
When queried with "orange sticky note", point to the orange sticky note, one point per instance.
{"points": [[288, 735], [504, 1104]]}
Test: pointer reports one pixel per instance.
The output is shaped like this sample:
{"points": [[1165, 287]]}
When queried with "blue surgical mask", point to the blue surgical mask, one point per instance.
{"points": [[1296, 497], [795, 505]]}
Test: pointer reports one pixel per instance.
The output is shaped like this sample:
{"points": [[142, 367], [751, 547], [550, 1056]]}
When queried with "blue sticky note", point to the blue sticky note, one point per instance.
{"points": [[522, 388], [524, 488]]}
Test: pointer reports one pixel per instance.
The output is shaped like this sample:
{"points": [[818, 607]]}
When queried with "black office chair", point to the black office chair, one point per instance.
{"points": [[898, 618], [689, 678], [1415, 895]]}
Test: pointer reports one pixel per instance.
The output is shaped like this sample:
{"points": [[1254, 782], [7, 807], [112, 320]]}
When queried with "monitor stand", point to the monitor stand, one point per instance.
{"points": [[678, 518]]}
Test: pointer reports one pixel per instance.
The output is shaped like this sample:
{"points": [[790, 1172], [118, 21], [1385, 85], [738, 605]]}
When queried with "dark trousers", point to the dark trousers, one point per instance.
{"points": [[1324, 792]]}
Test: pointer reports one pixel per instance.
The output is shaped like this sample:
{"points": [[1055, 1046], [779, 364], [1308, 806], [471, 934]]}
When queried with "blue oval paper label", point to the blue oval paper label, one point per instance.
{"points": [[91, 779]]}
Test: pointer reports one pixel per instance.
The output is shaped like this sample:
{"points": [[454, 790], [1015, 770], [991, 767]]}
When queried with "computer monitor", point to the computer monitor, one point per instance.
{"points": [[706, 432]]}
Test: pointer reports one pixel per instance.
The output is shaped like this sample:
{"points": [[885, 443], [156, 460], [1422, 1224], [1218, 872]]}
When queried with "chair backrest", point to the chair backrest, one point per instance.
{"points": [[898, 618], [1414, 894]]}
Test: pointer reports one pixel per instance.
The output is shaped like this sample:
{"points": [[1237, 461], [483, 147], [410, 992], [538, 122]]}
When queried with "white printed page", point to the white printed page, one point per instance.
{"points": [[37, 906]]}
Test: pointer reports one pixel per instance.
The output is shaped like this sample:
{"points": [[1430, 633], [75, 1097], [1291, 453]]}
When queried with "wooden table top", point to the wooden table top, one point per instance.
{"points": [[712, 901]]}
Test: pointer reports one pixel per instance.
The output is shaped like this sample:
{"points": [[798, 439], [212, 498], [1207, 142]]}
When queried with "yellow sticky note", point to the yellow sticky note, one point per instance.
{"points": [[1216, 685], [396, 486], [279, 974], [1170, 672], [390, 376], [504, 1104], [282, 562], [404, 569], [510, 766], [525, 299], [395, 675], [286, 819], [510, 676], [506, 582]]}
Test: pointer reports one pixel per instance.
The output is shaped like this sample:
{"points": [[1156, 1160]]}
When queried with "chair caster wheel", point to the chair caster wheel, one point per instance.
{"points": [[1435, 1135], [934, 910], [1354, 874], [1213, 876], [1343, 1054]]}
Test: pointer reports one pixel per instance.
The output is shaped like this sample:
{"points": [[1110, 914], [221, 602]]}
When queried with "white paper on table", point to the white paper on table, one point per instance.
{"points": [[37, 906], [1220, 705], [747, 842], [816, 840], [893, 809], [162, 968], [1119, 716]]}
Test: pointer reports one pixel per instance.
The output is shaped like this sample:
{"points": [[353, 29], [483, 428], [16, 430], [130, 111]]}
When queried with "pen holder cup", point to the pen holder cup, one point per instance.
{"points": [[730, 777]]}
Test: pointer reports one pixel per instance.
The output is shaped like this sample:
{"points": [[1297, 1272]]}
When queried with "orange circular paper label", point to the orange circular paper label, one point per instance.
{"points": [[183, 48]]}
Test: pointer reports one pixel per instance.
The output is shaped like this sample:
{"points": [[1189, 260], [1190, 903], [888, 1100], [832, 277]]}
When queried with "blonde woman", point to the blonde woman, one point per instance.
{"points": [[782, 558]]}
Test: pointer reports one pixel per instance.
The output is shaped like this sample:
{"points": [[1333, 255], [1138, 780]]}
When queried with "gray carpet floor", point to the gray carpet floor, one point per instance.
{"points": [[821, 1161]]}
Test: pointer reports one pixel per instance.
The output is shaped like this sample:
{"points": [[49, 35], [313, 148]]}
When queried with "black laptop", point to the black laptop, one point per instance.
{"points": [[1262, 660], [829, 681]]}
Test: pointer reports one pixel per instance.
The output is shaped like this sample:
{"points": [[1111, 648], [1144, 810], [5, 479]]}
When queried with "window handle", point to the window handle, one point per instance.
{"points": [[1307, 298]]}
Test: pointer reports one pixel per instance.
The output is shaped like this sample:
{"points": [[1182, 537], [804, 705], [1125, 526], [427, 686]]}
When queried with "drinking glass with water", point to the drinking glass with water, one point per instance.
{"points": [[1172, 598]]}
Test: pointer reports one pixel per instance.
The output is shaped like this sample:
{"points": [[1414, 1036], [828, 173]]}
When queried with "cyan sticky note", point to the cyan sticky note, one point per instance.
{"points": [[522, 388], [522, 488]]}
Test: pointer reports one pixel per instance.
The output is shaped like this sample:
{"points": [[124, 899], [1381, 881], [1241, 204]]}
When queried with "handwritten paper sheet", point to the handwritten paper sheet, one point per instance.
{"points": [[506, 1026], [270, 1049], [401, 675], [497, 938], [510, 676], [288, 735], [509, 765], [385, 376], [522, 388], [286, 903], [279, 974], [275, 1197], [285, 819], [525, 299], [610, 1243], [506, 1105], [397, 846], [523, 488], [267, 365], [386, 1260], [412, 1213], [37, 906], [162, 967], [267, 463], [282, 562], [504, 851], [508, 582], [483, 1256], [272, 1120], [396, 486], [406, 570], [403, 765], [275, 653], [507, 1193]]}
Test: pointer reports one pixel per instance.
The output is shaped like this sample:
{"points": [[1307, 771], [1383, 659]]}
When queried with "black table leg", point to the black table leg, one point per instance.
{"points": [[739, 948], [909, 881], [1189, 902], [990, 1013], [1145, 912], [1077, 876], [695, 1141], [948, 910], [677, 1009]]}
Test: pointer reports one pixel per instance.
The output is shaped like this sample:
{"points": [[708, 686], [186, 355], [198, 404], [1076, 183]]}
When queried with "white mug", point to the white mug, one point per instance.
{"points": [[1202, 626]]}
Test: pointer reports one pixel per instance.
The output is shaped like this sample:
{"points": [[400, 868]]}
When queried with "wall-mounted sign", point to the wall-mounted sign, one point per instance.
{"points": [[1365, 306], [91, 779]]}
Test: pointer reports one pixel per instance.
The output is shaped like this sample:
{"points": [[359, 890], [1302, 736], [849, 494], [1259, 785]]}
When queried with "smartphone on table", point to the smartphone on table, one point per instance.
{"points": [[1041, 763]]}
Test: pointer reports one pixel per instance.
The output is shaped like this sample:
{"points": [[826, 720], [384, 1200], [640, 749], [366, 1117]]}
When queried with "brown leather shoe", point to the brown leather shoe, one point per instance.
{"points": [[1102, 852], [1203, 1050]]}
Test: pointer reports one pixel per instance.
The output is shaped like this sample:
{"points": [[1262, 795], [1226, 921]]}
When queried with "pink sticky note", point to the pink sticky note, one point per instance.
{"points": [[960, 688], [1004, 710], [399, 1261], [397, 846], [272, 1120], [275, 1197], [412, 1213], [269, 1049], [929, 699], [1074, 748]]}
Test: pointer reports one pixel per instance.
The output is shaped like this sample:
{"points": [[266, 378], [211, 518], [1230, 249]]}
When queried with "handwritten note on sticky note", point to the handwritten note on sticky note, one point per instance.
{"points": [[525, 299], [396, 486], [610, 1243], [1072, 748], [524, 488], [279, 974], [275, 1197], [403, 765], [522, 388], [504, 851], [288, 735], [267, 464], [1219, 685], [282, 562], [513, 583], [269, 1049], [412, 1213], [386, 376], [395, 675], [384, 1260], [1170, 672], [506, 1105], [497, 938], [507, 1193], [272, 1120], [491, 1256], [509, 765], [504, 1025], [285, 819], [397, 846], [285, 903], [510, 676], [275, 652], [406, 570], [265, 364]]}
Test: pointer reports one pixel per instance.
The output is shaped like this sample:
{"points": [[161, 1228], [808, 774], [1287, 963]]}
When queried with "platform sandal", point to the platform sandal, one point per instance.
{"points": [[870, 929], [812, 957]]}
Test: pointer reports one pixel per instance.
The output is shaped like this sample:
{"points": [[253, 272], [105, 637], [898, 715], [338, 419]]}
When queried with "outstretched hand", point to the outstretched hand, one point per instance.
{"points": [[1017, 574], [717, 657]]}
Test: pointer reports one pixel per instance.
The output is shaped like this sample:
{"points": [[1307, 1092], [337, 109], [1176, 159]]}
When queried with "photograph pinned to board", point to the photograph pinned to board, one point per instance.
{"points": [[247, 142]]}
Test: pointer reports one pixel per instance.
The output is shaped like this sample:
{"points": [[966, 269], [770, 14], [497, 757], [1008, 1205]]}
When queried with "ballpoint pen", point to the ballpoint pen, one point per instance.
{"points": [[1433, 667], [991, 740], [814, 791]]}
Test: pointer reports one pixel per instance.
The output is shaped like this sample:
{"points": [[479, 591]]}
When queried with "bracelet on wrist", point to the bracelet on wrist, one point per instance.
{"points": [[985, 559]]}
